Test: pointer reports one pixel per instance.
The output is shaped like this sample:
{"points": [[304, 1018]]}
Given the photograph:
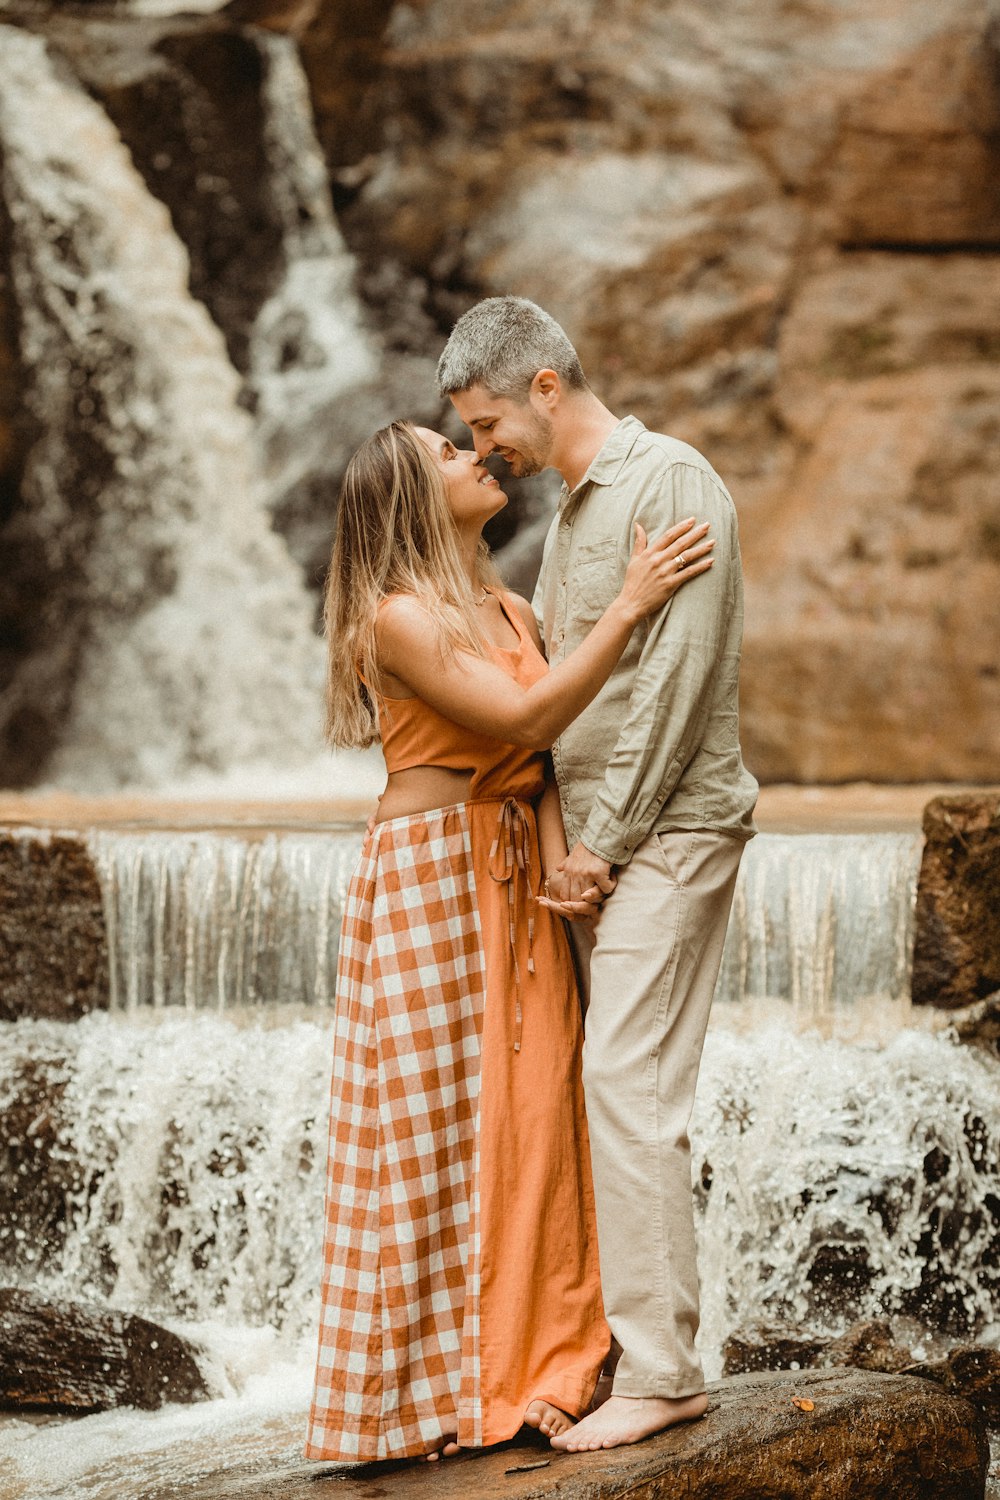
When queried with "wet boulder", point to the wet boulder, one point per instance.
{"points": [[53, 942], [820, 1435], [956, 959], [971, 1371], [74, 1357]]}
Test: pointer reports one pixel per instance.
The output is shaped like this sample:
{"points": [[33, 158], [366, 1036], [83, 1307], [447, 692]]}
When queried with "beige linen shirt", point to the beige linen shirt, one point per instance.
{"points": [[659, 747]]}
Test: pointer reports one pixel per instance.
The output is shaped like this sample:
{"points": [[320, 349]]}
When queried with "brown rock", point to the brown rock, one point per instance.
{"points": [[40, 1173], [867, 1437], [972, 1372], [979, 1023], [53, 942], [872, 577], [747, 1351], [957, 946], [931, 128], [868, 1345], [74, 1357]]}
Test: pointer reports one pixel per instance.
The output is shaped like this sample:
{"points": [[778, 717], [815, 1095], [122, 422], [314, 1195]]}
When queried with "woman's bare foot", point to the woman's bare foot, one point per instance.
{"points": [[547, 1418], [628, 1419], [447, 1449]]}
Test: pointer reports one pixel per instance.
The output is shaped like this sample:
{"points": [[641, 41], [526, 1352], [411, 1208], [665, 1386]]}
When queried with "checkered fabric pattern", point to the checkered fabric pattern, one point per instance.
{"points": [[398, 1362]]}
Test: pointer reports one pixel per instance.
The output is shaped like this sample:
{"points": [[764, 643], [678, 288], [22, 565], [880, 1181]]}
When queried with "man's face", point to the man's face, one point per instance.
{"points": [[521, 432]]}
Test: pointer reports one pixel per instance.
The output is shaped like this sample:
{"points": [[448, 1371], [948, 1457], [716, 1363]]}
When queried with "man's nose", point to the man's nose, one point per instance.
{"points": [[484, 445]]}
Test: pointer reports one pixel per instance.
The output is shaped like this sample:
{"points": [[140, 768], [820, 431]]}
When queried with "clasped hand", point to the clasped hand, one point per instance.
{"points": [[577, 887]]}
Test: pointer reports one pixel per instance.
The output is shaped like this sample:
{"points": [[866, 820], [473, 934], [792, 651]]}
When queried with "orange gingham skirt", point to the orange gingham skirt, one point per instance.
{"points": [[460, 1274]]}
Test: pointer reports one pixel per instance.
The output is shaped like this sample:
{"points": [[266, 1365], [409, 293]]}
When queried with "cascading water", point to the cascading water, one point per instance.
{"points": [[308, 347], [821, 926], [221, 922], [167, 1156], [186, 635], [174, 1164]]}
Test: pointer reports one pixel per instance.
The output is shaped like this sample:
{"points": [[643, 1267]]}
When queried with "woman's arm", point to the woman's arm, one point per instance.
{"points": [[480, 696]]}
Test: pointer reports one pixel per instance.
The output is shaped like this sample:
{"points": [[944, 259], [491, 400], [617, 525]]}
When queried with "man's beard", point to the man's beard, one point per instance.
{"points": [[533, 457]]}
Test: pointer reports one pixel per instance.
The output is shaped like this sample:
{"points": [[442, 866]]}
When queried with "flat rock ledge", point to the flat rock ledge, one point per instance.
{"points": [[75, 1358], [868, 1436]]}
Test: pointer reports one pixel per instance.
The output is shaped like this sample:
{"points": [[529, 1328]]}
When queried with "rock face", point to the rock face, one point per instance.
{"points": [[971, 1371], [867, 1437], [835, 358], [956, 958], [53, 943], [771, 230], [75, 1358]]}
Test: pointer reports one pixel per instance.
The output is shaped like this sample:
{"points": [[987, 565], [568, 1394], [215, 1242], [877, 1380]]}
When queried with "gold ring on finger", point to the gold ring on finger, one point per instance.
{"points": [[681, 560]]}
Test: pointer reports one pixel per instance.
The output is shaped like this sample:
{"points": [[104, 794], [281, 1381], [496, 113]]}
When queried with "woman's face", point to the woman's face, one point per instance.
{"points": [[472, 492]]}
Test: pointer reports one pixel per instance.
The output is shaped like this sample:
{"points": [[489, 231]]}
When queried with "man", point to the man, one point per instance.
{"points": [[657, 806]]}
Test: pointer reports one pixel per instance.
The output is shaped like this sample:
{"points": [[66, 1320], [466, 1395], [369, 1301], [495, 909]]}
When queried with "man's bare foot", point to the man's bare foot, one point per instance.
{"points": [[628, 1419], [447, 1449], [547, 1418]]}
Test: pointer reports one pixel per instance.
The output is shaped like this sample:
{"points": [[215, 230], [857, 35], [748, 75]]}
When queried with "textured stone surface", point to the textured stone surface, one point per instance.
{"points": [[971, 1371], [956, 957], [867, 1437], [61, 1356], [835, 357], [53, 944]]}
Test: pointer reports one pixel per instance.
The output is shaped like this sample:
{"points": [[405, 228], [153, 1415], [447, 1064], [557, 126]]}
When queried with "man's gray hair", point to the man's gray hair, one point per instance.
{"points": [[501, 344]]}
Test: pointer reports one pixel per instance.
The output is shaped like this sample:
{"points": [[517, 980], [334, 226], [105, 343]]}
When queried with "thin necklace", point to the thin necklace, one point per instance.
{"points": [[486, 594]]}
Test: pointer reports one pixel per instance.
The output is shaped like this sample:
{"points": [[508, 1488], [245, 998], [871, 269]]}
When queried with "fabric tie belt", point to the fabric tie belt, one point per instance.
{"points": [[510, 865]]}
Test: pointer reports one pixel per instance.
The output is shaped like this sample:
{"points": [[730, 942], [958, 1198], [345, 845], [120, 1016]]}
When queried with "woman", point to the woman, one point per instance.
{"points": [[461, 1295]]}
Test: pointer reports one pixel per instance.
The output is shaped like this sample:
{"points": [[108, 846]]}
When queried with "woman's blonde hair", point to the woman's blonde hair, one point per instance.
{"points": [[395, 534]]}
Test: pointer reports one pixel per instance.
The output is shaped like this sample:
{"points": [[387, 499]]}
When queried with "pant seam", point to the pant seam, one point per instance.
{"points": [[652, 1105]]}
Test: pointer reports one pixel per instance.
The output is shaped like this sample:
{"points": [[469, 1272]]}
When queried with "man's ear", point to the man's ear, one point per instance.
{"points": [[546, 387]]}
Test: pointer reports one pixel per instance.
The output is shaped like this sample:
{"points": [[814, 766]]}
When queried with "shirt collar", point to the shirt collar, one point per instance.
{"points": [[606, 464]]}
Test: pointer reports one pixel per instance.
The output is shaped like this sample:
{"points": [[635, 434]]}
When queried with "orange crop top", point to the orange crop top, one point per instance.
{"points": [[415, 734]]}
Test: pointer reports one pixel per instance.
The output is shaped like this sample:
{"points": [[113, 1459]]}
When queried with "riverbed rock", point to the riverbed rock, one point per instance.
{"points": [[956, 958], [969, 1370], [867, 1437], [972, 1372], [53, 941], [979, 1023], [74, 1357]]}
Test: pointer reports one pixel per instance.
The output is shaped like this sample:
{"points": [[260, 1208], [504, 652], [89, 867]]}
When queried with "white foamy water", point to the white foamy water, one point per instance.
{"points": [[309, 345], [200, 646], [842, 1180]]}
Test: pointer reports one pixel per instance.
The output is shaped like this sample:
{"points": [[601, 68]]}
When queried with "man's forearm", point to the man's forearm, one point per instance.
{"points": [[551, 833]]}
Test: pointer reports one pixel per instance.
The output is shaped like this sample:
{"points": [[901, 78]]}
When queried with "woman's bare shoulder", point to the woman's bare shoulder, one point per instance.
{"points": [[527, 614]]}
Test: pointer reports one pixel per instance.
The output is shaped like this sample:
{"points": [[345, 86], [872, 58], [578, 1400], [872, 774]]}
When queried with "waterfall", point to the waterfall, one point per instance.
{"points": [[308, 347], [837, 1181], [185, 636], [174, 1165], [821, 926], [167, 1157], [208, 921]]}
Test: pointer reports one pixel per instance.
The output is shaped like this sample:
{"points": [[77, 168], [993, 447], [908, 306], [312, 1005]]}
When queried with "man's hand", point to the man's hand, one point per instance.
{"points": [[583, 876]]}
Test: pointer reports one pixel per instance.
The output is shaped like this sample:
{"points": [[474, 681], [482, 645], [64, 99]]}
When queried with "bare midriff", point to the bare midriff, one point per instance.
{"points": [[422, 789]]}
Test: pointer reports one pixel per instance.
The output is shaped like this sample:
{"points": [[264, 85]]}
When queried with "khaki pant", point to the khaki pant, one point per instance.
{"points": [[654, 960]]}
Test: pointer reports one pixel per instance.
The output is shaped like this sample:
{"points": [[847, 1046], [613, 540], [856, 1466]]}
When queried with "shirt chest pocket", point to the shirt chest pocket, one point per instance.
{"points": [[594, 577]]}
